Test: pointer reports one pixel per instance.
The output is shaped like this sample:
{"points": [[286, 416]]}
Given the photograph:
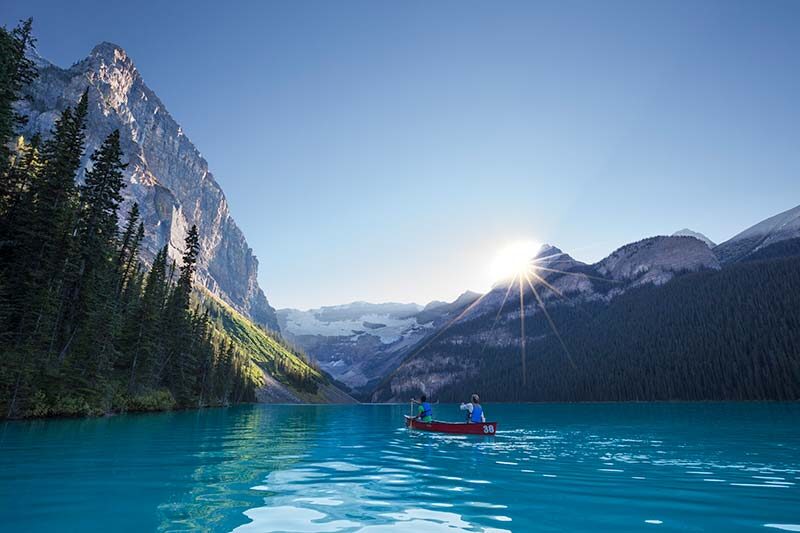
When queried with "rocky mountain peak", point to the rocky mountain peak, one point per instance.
{"points": [[110, 52], [657, 260], [167, 176], [552, 257], [686, 232], [466, 298], [547, 250], [433, 304]]}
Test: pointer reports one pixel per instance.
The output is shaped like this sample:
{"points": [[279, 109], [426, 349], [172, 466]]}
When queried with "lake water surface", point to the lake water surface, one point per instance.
{"points": [[266, 468]]}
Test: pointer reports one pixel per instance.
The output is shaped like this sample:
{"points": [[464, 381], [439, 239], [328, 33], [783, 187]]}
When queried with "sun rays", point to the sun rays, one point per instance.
{"points": [[530, 276], [522, 271]]}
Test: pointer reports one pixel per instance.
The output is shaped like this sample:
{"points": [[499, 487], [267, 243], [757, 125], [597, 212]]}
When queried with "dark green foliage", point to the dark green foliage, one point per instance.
{"points": [[727, 335], [16, 71], [83, 329], [787, 248]]}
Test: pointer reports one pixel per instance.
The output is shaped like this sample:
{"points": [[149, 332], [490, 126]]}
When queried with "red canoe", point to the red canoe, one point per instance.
{"points": [[462, 428]]}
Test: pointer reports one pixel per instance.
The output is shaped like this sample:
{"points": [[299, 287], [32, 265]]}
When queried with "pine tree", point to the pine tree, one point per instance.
{"points": [[46, 226], [91, 314], [131, 239], [188, 268], [16, 71], [147, 355], [82, 324], [181, 357], [100, 198]]}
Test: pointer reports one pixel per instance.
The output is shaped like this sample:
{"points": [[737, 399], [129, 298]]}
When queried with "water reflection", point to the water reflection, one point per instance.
{"points": [[304, 468], [529, 478], [233, 449]]}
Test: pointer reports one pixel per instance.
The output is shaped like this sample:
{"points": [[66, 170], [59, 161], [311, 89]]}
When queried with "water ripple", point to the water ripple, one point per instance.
{"points": [[356, 469]]}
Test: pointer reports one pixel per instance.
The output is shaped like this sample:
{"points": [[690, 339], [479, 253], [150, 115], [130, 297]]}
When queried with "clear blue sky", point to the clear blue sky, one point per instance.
{"points": [[383, 150]]}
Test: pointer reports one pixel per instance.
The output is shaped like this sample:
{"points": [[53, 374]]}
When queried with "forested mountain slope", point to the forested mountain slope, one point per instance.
{"points": [[284, 374], [86, 325], [730, 334]]}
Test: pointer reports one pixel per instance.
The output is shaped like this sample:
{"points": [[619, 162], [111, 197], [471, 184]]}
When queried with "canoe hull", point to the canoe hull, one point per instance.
{"points": [[458, 428]]}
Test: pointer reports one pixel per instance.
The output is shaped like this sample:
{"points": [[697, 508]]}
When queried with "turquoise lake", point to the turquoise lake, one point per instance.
{"points": [[265, 468]]}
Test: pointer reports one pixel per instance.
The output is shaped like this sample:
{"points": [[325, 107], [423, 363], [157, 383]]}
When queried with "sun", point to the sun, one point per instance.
{"points": [[513, 260]]}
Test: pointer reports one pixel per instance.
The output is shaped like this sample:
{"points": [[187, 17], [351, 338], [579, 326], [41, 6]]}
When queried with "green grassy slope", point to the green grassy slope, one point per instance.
{"points": [[284, 370]]}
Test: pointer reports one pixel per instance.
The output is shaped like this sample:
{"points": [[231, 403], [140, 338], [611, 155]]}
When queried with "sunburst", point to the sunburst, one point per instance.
{"points": [[525, 270], [519, 266]]}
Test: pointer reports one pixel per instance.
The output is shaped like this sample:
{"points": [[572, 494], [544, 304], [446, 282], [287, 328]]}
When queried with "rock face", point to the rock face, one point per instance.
{"points": [[686, 232], [358, 343], [166, 174], [657, 260], [779, 228]]}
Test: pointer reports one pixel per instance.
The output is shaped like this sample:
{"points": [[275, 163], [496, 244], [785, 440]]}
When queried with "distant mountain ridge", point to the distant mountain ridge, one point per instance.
{"points": [[591, 305], [166, 174], [358, 343], [781, 227]]}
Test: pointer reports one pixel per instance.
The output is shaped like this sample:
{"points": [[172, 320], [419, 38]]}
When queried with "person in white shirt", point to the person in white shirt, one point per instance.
{"points": [[474, 410]]}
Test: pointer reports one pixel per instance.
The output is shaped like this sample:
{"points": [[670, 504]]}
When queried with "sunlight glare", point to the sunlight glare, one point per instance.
{"points": [[513, 260]]}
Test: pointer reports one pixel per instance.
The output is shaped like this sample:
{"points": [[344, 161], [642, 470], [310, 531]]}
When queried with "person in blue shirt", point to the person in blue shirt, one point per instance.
{"points": [[474, 410], [424, 414]]}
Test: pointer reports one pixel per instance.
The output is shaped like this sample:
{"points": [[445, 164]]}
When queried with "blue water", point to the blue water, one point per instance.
{"points": [[602, 467]]}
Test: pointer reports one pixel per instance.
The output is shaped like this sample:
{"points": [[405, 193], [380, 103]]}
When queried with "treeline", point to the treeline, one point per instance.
{"points": [[727, 335], [84, 328]]}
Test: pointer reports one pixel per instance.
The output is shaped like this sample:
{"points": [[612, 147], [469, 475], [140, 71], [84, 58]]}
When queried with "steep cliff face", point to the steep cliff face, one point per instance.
{"points": [[166, 174]]}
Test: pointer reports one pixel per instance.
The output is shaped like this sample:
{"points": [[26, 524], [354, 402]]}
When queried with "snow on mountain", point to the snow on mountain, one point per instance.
{"points": [[686, 232], [781, 227], [386, 321], [166, 174], [359, 343]]}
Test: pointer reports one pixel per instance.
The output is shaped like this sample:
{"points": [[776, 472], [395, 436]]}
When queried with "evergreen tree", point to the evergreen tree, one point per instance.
{"points": [[46, 227], [147, 348], [84, 327], [100, 200], [90, 314], [188, 268], [131, 239], [16, 71], [182, 358]]}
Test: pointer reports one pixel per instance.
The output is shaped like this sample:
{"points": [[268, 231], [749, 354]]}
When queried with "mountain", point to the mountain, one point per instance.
{"points": [[590, 306], [358, 343], [283, 375], [777, 229], [729, 334], [656, 260], [686, 232], [166, 174]]}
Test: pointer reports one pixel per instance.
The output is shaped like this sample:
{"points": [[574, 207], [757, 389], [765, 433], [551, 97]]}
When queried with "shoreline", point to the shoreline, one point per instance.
{"points": [[112, 414]]}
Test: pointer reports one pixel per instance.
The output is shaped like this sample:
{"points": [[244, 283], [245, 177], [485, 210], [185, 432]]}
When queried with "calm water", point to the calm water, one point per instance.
{"points": [[606, 467]]}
